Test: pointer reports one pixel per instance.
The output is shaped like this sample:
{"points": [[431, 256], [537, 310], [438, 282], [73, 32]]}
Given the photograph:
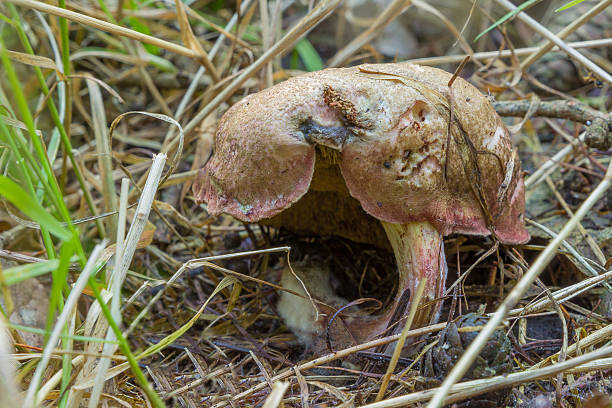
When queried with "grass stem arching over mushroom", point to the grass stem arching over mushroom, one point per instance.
{"points": [[333, 151]]}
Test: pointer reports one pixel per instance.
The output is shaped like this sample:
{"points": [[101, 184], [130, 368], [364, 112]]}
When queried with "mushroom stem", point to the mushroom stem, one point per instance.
{"points": [[419, 253]]}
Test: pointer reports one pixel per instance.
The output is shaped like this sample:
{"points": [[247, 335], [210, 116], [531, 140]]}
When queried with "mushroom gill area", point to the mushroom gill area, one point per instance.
{"points": [[352, 244], [328, 209]]}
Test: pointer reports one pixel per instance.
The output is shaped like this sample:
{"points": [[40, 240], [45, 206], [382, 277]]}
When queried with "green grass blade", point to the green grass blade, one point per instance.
{"points": [[125, 348], [309, 56], [225, 282], [141, 28], [18, 274], [569, 5], [17, 143], [55, 116], [24, 202], [508, 16]]}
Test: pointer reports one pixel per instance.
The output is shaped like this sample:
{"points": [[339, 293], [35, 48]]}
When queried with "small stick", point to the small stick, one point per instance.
{"points": [[547, 45], [553, 109], [548, 167], [519, 52], [458, 70], [587, 362], [331, 357], [400, 342], [276, 396], [562, 295], [534, 25]]}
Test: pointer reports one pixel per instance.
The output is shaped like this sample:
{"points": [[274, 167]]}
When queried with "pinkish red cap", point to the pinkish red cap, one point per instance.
{"points": [[394, 152]]}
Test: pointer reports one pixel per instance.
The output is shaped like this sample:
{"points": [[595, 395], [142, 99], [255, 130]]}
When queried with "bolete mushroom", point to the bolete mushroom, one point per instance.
{"points": [[346, 151]]}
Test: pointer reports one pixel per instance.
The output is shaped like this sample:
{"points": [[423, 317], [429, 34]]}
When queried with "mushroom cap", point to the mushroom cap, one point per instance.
{"points": [[386, 127]]}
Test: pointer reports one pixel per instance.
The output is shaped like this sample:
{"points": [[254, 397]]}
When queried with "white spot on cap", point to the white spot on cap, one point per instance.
{"points": [[497, 137]]}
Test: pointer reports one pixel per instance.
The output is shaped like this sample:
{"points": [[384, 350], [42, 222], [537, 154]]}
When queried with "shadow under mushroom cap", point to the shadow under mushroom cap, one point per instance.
{"points": [[389, 124]]}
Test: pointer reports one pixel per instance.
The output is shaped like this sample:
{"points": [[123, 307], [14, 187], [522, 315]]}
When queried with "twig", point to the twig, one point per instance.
{"points": [[590, 241], [548, 167], [580, 259], [452, 59], [458, 71], [562, 295], [553, 38], [472, 388], [553, 109], [563, 351], [333, 356], [548, 45], [276, 396], [598, 336], [399, 346], [515, 295], [601, 258]]}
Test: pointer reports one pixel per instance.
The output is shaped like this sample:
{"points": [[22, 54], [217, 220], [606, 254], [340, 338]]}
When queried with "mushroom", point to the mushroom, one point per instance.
{"points": [[364, 152]]}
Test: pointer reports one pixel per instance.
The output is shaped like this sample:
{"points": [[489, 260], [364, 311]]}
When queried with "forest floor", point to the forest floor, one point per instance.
{"points": [[109, 111]]}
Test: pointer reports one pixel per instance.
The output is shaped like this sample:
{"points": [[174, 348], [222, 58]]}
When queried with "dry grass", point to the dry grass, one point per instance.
{"points": [[189, 316]]}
